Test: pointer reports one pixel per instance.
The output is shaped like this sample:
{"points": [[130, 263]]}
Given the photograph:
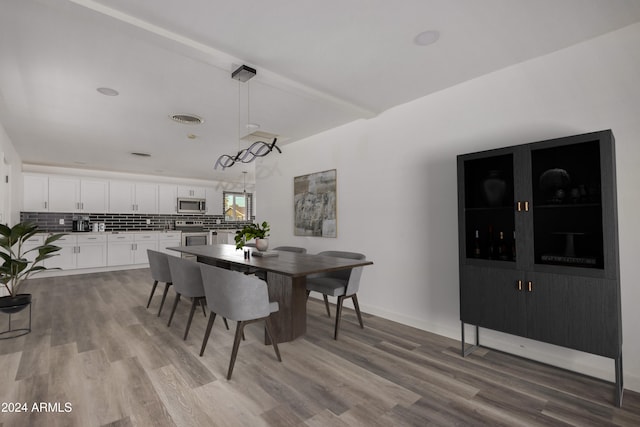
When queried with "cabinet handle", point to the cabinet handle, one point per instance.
{"points": [[45, 205], [526, 206], [519, 285], [519, 206], [530, 286]]}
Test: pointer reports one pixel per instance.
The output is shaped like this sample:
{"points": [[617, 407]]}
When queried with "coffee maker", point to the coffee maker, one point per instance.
{"points": [[81, 223]]}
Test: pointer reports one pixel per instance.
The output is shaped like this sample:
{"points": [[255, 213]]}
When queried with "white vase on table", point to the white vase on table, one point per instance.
{"points": [[262, 244]]}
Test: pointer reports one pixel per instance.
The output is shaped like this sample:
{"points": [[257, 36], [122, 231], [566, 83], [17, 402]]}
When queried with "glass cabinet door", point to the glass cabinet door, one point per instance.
{"points": [[489, 232], [567, 205]]}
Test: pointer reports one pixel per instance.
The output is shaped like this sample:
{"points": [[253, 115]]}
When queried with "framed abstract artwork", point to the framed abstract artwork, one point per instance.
{"points": [[314, 203]]}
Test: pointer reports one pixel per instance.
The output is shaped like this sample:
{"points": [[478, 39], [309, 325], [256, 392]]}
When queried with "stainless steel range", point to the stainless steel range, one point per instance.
{"points": [[193, 233]]}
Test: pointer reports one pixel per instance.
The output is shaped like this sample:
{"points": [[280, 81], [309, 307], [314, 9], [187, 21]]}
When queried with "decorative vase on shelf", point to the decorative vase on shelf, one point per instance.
{"points": [[494, 188], [262, 244]]}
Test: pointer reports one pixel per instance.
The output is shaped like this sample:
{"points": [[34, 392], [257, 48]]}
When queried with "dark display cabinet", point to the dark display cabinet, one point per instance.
{"points": [[538, 242]]}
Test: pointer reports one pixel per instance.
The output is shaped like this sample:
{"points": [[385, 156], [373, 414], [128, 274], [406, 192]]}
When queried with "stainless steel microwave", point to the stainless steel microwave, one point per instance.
{"points": [[186, 205]]}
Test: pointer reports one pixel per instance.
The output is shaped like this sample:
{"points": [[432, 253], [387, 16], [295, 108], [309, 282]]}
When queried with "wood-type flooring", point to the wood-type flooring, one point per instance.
{"points": [[98, 357]]}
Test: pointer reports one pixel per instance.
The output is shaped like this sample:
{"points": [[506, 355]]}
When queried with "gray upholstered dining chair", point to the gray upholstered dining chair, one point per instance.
{"points": [[187, 281], [295, 249], [159, 265], [238, 297], [261, 274], [342, 284]]}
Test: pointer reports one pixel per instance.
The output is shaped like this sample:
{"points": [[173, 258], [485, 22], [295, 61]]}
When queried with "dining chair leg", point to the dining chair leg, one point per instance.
{"points": [[267, 324], [338, 316], [225, 323], [354, 297], [212, 318], [326, 304], [204, 311], [194, 304], [236, 345], [175, 304], [155, 284], [164, 296]]}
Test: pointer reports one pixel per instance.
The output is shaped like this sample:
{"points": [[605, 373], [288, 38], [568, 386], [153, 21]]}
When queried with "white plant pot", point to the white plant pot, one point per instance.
{"points": [[262, 244]]}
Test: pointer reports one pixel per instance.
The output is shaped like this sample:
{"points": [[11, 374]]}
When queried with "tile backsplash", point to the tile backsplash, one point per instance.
{"points": [[50, 221]]}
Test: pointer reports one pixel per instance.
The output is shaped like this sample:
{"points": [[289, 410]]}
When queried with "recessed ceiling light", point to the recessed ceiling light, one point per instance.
{"points": [[141, 154], [426, 38], [188, 119], [108, 91]]}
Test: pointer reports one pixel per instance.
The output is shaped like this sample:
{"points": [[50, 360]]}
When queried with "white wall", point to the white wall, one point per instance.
{"points": [[397, 183], [10, 192]]}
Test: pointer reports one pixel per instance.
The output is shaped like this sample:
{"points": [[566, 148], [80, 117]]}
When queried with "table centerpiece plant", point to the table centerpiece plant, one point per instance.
{"points": [[259, 232], [16, 267]]}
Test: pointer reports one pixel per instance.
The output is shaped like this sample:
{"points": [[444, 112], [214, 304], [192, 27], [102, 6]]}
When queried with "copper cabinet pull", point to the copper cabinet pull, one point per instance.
{"points": [[526, 206], [530, 286], [519, 285]]}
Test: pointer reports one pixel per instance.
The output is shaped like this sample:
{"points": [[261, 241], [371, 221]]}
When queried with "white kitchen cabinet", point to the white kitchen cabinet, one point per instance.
{"points": [[214, 201], [30, 243], [130, 248], [167, 198], [142, 242], [65, 258], [56, 193], [64, 194], [120, 249], [133, 197], [36, 193], [91, 251], [94, 195], [168, 240], [79, 251], [194, 192]]}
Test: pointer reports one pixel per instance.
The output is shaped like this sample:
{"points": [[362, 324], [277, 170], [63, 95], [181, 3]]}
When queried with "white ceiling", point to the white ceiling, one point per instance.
{"points": [[320, 64]]}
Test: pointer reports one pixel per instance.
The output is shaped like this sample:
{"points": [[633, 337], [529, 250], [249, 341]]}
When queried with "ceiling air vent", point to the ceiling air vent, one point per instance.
{"points": [[140, 154], [188, 119]]}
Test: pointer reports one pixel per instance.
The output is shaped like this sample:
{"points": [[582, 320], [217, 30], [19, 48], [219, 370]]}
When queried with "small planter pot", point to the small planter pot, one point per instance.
{"points": [[262, 244], [10, 305]]}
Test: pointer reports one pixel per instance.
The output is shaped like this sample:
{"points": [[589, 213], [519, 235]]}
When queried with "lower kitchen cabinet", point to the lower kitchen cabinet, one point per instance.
{"points": [[79, 251], [130, 248], [92, 251], [168, 240]]}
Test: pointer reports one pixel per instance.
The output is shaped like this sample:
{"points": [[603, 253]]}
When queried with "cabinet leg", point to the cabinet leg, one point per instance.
{"points": [[619, 381], [467, 351]]}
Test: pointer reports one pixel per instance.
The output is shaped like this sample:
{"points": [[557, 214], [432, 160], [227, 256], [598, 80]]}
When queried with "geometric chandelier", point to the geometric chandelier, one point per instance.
{"points": [[247, 155], [258, 148]]}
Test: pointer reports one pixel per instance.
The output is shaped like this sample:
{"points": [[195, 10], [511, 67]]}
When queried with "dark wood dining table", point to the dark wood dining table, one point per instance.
{"points": [[286, 279]]}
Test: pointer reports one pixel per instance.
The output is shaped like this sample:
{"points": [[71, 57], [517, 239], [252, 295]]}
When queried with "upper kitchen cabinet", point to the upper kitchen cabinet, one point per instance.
{"points": [[133, 197], [214, 200], [53, 193], [36, 193], [167, 198], [193, 192], [69, 194]]}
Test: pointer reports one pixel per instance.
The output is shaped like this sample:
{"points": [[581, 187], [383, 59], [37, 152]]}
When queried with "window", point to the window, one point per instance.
{"points": [[238, 206]]}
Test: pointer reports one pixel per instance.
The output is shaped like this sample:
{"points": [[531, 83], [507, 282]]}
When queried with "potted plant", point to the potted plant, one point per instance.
{"points": [[260, 232], [16, 267]]}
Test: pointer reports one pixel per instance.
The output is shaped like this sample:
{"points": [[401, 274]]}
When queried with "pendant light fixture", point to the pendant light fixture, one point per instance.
{"points": [[243, 74]]}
